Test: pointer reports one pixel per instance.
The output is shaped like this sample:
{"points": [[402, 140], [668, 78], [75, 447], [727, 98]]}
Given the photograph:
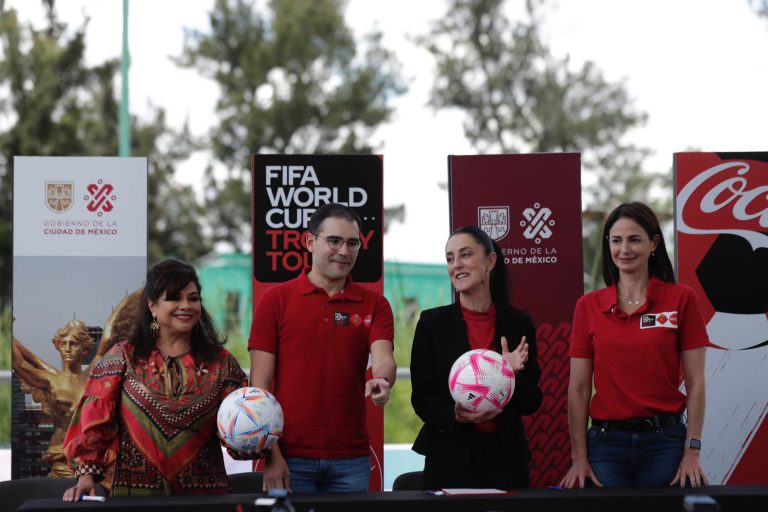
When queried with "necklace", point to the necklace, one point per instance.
{"points": [[632, 302], [172, 356]]}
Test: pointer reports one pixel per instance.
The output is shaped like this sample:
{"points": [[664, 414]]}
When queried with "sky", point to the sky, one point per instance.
{"points": [[696, 67]]}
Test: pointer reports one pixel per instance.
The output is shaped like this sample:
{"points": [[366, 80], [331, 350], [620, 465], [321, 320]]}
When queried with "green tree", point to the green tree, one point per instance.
{"points": [[176, 217], [292, 80], [53, 104], [518, 97]]}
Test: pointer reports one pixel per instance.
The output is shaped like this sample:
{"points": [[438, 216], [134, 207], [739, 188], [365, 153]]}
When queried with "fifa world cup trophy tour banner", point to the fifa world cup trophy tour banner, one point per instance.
{"points": [[531, 206], [287, 189], [79, 250], [721, 221]]}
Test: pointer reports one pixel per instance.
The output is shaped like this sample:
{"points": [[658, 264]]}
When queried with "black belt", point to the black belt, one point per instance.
{"points": [[649, 424]]}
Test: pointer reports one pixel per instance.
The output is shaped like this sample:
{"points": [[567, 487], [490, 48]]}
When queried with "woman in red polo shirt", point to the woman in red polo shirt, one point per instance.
{"points": [[633, 336], [463, 449]]}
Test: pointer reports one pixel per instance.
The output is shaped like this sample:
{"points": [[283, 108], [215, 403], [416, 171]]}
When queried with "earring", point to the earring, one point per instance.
{"points": [[652, 253], [154, 327]]}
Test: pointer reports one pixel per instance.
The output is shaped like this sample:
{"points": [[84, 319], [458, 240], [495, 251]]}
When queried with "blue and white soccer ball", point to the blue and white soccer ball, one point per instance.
{"points": [[250, 419]]}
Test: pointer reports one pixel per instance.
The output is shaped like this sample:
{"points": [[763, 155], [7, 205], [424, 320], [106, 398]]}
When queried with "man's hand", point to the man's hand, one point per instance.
{"points": [[276, 472], [377, 389]]}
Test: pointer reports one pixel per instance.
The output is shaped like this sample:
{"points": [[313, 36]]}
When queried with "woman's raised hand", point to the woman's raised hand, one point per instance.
{"points": [[517, 358]]}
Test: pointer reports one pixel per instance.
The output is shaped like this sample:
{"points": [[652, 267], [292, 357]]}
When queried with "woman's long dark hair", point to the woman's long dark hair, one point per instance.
{"points": [[168, 278], [498, 278], [659, 265]]}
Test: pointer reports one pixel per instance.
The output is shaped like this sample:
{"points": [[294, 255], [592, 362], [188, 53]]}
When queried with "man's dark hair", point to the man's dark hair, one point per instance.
{"points": [[333, 210]]}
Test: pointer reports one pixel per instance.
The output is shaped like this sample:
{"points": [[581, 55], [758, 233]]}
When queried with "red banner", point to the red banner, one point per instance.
{"points": [[287, 189], [721, 220], [531, 206]]}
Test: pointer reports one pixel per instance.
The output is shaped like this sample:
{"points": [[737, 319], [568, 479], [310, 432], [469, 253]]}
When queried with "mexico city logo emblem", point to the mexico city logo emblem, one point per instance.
{"points": [[100, 197], [58, 195], [537, 223], [494, 220]]}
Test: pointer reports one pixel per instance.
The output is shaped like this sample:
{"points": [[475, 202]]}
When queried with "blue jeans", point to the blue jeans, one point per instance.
{"points": [[329, 475], [622, 458]]}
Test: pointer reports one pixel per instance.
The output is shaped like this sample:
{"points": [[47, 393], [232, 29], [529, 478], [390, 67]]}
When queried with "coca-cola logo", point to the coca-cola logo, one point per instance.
{"points": [[726, 199], [730, 200]]}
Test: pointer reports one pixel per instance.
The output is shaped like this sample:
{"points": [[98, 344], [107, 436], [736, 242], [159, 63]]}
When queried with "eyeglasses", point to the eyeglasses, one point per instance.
{"points": [[335, 243]]}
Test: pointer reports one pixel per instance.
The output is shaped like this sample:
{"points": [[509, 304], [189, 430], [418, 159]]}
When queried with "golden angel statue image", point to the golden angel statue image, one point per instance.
{"points": [[59, 390]]}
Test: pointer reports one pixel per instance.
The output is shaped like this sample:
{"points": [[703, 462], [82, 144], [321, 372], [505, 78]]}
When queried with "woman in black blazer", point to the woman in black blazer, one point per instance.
{"points": [[463, 449]]}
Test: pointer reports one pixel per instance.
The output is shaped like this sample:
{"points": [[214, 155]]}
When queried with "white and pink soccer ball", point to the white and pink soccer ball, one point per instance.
{"points": [[250, 419], [480, 380]]}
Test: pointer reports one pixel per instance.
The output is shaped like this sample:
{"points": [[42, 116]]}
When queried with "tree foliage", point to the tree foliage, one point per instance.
{"points": [[53, 104], [292, 80], [519, 97]]}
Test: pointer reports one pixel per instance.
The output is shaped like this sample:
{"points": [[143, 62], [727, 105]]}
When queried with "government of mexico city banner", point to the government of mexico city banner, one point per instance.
{"points": [[79, 257], [721, 224], [530, 205], [287, 189]]}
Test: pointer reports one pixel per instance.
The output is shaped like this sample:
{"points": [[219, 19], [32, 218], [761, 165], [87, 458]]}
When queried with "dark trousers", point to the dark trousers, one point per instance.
{"points": [[487, 468]]}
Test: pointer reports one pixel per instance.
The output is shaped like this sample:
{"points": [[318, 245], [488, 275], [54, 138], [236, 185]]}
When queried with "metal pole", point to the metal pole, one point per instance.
{"points": [[125, 63]]}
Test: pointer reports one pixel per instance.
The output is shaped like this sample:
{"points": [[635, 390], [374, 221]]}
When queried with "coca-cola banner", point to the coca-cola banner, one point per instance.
{"points": [[721, 220], [287, 189], [531, 206]]}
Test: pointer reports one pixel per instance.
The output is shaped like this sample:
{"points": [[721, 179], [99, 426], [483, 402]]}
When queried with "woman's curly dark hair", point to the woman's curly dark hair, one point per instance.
{"points": [[167, 278]]}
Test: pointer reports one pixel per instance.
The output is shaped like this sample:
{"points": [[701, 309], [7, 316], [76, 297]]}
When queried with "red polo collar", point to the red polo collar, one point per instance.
{"points": [[351, 290]]}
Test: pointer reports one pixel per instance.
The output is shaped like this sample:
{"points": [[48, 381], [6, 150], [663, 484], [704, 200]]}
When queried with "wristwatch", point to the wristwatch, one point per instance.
{"points": [[692, 443]]}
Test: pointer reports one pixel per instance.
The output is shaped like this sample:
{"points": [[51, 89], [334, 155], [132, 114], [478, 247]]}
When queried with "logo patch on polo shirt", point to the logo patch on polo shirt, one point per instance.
{"points": [[356, 320], [340, 318], [666, 319]]}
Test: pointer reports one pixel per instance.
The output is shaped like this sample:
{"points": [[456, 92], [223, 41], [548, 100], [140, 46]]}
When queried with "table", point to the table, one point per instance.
{"points": [[730, 498]]}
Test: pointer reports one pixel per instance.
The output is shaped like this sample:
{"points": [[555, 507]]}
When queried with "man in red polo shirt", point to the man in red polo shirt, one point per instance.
{"points": [[310, 341]]}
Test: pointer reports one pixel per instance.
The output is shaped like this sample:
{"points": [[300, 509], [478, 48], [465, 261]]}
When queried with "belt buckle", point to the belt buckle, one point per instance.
{"points": [[641, 425]]}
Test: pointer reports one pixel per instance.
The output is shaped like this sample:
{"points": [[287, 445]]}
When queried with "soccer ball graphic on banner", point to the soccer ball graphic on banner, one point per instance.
{"points": [[480, 380], [250, 419]]}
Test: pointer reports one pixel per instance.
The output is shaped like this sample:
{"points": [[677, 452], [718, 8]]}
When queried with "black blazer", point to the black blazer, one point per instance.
{"points": [[440, 338]]}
